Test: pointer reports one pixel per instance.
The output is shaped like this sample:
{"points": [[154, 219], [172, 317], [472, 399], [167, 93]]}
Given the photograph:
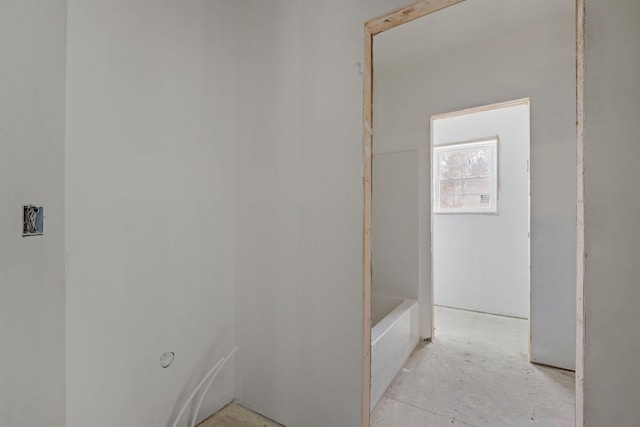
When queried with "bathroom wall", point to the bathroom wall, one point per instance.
{"points": [[149, 207], [539, 62], [32, 99], [611, 377], [481, 261], [395, 224], [299, 215], [137, 75]]}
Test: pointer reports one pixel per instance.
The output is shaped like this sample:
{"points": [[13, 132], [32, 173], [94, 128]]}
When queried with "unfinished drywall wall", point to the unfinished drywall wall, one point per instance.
{"points": [[150, 207], [299, 215], [481, 261], [395, 224], [612, 241], [537, 61], [32, 78]]}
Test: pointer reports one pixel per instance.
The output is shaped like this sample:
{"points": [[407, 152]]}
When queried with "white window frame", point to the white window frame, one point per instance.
{"points": [[492, 143]]}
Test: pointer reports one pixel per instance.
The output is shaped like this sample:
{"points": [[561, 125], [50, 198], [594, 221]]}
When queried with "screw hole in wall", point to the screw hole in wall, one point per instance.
{"points": [[167, 359]]}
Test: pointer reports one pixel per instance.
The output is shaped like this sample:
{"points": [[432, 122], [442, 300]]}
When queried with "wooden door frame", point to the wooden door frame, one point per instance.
{"points": [[391, 20]]}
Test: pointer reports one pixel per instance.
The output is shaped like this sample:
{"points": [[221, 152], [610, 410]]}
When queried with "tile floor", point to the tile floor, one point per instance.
{"points": [[476, 373]]}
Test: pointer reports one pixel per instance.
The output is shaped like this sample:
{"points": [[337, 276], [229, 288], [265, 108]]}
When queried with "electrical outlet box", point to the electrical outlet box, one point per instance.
{"points": [[33, 220]]}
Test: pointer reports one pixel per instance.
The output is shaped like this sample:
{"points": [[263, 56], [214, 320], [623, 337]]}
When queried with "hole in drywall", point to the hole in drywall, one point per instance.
{"points": [[167, 359]]}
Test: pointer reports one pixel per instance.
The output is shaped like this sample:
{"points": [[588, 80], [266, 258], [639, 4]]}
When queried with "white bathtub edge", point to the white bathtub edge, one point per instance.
{"points": [[396, 337], [390, 320]]}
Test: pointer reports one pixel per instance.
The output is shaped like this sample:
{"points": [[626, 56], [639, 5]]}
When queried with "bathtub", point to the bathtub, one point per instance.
{"points": [[394, 334]]}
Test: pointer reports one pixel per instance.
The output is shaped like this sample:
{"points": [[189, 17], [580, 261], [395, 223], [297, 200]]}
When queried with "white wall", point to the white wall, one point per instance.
{"points": [[32, 67], [150, 207], [538, 62], [612, 129], [395, 224], [299, 217], [481, 262], [139, 314]]}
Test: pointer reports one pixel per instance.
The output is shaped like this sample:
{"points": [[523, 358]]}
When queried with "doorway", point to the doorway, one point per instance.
{"points": [[393, 20], [480, 210]]}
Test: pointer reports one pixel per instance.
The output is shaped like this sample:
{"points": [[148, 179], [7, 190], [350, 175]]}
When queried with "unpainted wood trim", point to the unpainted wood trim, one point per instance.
{"points": [[580, 244], [481, 108], [406, 14], [372, 27], [367, 244], [431, 230]]}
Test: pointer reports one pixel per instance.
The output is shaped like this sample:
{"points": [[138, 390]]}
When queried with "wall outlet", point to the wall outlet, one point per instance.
{"points": [[33, 220]]}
